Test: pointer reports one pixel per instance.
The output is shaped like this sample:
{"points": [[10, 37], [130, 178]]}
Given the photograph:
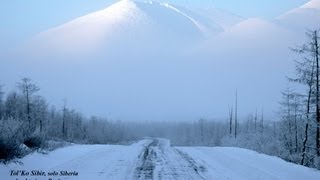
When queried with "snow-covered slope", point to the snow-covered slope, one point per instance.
{"points": [[156, 159], [136, 26], [253, 27], [146, 26], [312, 4], [252, 33], [88, 161], [89, 31], [304, 17], [212, 20], [223, 18], [242, 164], [125, 24]]}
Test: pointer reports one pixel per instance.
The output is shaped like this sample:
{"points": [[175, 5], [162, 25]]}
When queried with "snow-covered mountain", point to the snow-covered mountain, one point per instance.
{"points": [[269, 37], [136, 25], [213, 20], [304, 17], [221, 17], [125, 23], [315, 4], [152, 26]]}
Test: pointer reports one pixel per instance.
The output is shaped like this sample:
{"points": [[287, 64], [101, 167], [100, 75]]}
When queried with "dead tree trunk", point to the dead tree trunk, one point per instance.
{"points": [[230, 120], [306, 131], [255, 121], [64, 111], [236, 116], [262, 121], [316, 46]]}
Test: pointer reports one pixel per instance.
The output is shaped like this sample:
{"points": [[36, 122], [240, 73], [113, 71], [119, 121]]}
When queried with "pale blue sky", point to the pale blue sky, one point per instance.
{"points": [[21, 19]]}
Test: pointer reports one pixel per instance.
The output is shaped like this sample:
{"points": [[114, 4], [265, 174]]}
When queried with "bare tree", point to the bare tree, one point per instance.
{"points": [[296, 111], [28, 89], [286, 103], [64, 112], [262, 121], [315, 50], [202, 130], [255, 121], [236, 116], [40, 112], [306, 132], [230, 120]]}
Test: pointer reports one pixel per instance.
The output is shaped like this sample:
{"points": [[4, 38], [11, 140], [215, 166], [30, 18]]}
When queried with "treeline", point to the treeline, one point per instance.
{"points": [[28, 122]]}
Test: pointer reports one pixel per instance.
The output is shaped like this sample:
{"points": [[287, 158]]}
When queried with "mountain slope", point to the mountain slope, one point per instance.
{"points": [[124, 24], [137, 27], [90, 30], [312, 4], [222, 18], [304, 17], [212, 20]]}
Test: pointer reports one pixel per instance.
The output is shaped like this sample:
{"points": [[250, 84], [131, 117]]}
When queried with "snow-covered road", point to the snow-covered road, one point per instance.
{"points": [[154, 159], [160, 161]]}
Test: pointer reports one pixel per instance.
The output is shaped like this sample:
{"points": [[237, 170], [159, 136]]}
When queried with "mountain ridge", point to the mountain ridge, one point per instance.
{"points": [[125, 21]]}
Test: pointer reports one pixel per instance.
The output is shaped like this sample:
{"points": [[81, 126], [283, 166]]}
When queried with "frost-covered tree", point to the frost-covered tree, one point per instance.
{"points": [[28, 89], [13, 106], [286, 105], [307, 73], [290, 113], [236, 116], [39, 113], [64, 119], [230, 120]]}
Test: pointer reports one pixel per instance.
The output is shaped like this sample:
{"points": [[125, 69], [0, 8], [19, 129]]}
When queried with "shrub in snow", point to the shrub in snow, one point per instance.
{"points": [[11, 136], [8, 151], [35, 141]]}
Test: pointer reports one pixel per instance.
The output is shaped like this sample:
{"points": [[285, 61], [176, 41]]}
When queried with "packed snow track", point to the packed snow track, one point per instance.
{"points": [[159, 161], [154, 158]]}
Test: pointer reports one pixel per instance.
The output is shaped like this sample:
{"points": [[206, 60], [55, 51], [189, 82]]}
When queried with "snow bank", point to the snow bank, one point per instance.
{"points": [[88, 161], [237, 163]]}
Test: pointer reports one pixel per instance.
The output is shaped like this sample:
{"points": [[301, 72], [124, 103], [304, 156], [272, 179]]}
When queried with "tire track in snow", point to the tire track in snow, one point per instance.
{"points": [[199, 169], [160, 161], [147, 166]]}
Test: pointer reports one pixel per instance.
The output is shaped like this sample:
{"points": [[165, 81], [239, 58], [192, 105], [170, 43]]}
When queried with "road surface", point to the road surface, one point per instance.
{"points": [[153, 158]]}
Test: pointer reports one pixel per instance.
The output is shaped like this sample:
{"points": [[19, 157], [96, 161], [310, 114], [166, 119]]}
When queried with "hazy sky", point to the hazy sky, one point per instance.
{"points": [[21, 19]]}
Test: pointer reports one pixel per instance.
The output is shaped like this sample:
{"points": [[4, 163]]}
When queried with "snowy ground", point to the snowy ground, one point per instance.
{"points": [[154, 159]]}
